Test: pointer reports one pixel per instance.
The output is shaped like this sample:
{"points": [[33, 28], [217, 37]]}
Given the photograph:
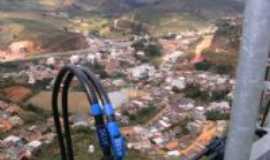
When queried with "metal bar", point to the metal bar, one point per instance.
{"points": [[250, 77]]}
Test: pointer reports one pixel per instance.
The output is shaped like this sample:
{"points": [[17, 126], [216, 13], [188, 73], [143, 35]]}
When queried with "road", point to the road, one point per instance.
{"points": [[51, 54], [208, 133]]}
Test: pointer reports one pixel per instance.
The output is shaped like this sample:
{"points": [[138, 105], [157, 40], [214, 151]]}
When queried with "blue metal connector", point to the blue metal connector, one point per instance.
{"points": [[117, 141], [108, 110], [95, 110], [108, 133], [102, 133], [110, 138], [104, 139]]}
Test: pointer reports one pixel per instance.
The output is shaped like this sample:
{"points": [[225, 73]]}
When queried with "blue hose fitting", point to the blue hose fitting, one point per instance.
{"points": [[117, 141], [102, 133], [96, 110], [108, 110], [104, 139], [109, 135]]}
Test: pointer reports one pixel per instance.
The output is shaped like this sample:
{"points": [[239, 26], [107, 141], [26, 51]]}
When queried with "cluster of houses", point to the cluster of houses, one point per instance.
{"points": [[180, 118]]}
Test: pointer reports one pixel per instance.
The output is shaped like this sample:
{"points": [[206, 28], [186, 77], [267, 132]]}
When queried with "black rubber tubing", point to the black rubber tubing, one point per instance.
{"points": [[98, 119], [83, 79]]}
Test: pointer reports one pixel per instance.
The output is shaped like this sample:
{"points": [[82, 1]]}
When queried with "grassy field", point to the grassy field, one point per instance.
{"points": [[163, 17], [180, 15], [49, 34], [29, 4], [28, 26], [82, 138], [161, 22]]}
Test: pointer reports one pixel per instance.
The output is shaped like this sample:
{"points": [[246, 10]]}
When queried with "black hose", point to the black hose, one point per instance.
{"points": [[83, 79], [99, 122], [101, 91], [91, 86], [92, 100], [58, 127], [103, 96], [99, 88], [65, 116]]}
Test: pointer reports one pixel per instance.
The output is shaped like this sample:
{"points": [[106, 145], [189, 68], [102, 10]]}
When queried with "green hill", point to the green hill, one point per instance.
{"points": [[43, 20]]}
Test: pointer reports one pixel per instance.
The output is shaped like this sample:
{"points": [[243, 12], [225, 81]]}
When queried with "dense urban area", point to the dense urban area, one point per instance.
{"points": [[172, 92]]}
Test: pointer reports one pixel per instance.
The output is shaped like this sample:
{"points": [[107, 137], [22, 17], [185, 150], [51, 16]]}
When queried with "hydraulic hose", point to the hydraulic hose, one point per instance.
{"points": [[100, 89], [99, 122], [57, 86], [82, 78], [117, 141], [109, 112], [109, 135], [58, 127]]}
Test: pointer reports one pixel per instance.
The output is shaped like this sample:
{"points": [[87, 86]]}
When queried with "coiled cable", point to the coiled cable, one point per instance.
{"points": [[109, 135]]}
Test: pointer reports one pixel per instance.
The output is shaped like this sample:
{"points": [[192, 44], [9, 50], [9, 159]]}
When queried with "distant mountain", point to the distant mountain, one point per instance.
{"points": [[138, 3], [54, 4], [160, 16]]}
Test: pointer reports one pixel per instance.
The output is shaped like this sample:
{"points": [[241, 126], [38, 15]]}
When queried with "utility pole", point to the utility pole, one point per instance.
{"points": [[249, 81]]}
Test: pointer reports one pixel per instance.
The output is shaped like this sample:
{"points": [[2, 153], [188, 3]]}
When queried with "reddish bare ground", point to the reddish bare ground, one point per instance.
{"points": [[19, 50], [5, 125], [209, 132], [25, 48], [204, 44], [17, 93]]}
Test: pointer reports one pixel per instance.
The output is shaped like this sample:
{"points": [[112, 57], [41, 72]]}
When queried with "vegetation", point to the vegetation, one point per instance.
{"points": [[184, 129], [222, 56], [162, 21], [30, 29], [163, 17], [118, 75], [9, 67], [218, 95], [95, 24], [193, 91], [41, 85], [153, 50], [100, 70], [33, 114], [82, 138], [217, 115], [150, 47], [143, 115], [6, 83], [231, 31], [203, 66], [218, 62]]}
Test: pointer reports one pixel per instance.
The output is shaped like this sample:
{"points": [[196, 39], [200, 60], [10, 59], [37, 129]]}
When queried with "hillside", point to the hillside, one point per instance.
{"points": [[152, 12], [168, 67], [54, 25]]}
